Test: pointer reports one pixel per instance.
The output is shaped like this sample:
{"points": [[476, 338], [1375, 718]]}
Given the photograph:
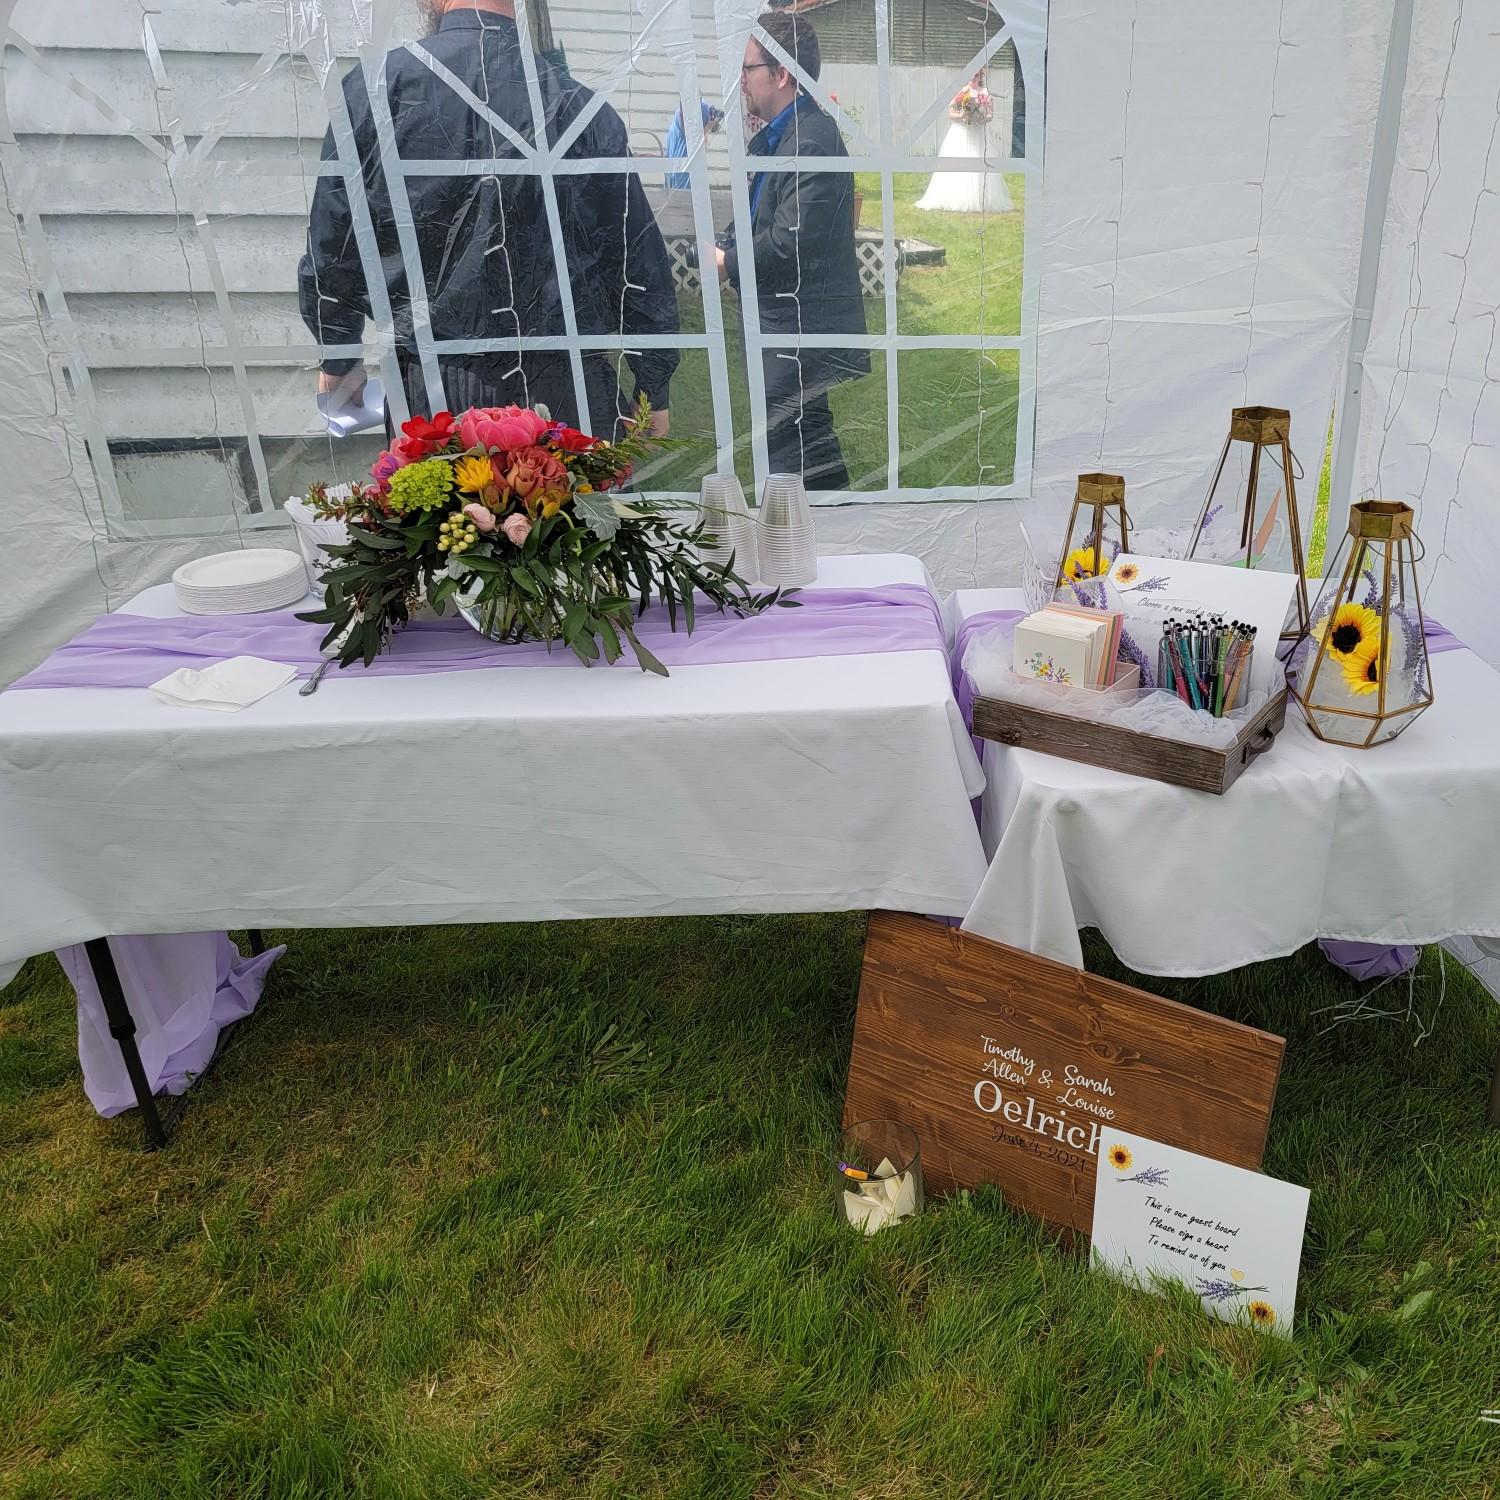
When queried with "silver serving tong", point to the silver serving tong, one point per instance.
{"points": [[328, 654]]}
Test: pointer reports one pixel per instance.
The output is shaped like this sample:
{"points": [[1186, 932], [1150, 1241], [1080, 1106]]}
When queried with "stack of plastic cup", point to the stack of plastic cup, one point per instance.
{"points": [[728, 520], [785, 537]]}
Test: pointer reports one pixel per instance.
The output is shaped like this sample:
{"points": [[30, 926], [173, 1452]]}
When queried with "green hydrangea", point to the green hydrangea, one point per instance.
{"points": [[423, 486]]}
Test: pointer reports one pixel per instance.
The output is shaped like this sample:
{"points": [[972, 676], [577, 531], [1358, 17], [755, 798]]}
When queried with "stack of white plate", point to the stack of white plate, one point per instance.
{"points": [[241, 583], [784, 536], [726, 516]]}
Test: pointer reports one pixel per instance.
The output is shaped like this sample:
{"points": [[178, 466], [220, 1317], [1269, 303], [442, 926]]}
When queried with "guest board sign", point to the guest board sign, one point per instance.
{"points": [[1011, 1067], [1232, 1237]]}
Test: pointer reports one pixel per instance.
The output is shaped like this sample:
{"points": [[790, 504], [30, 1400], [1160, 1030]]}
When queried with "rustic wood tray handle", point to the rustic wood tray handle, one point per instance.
{"points": [[1258, 746]]}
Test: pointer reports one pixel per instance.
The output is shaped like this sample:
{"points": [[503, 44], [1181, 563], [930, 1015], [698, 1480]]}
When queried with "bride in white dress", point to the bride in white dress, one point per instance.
{"points": [[971, 114]]}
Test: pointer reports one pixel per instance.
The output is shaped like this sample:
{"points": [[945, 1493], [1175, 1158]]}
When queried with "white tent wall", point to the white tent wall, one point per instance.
{"points": [[1205, 187], [1197, 242], [1202, 207], [1430, 408], [57, 571]]}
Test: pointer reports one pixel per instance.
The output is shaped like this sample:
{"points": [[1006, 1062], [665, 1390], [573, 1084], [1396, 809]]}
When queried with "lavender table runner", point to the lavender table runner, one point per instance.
{"points": [[963, 688], [135, 650]]}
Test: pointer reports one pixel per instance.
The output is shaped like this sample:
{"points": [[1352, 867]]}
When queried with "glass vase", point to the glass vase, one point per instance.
{"points": [[877, 1178]]}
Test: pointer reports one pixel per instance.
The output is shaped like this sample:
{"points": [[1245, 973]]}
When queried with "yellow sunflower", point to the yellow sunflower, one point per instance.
{"points": [[1262, 1314], [1120, 1157], [1127, 573], [474, 474], [1080, 563], [1362, 673], [1354, 630]]}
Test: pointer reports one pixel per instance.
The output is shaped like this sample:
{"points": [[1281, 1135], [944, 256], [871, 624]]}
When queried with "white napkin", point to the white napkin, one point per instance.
{"points": [[888, 1198], [226, 686]]}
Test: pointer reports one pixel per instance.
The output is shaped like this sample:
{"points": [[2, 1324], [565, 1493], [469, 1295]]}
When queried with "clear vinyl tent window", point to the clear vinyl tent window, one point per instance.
{"points": [[164, 165]]}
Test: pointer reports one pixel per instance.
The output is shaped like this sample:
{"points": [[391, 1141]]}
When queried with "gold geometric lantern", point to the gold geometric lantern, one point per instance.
{"points": [[1098, 510], [1267, 430], [1366, 674]]}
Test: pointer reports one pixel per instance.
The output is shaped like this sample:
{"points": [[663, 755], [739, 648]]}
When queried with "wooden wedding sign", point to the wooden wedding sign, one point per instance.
{"points": [[1010, 1067]]}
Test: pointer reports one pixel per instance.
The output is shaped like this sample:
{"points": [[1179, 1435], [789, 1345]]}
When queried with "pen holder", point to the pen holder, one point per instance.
{"points": [[877, 1178]]}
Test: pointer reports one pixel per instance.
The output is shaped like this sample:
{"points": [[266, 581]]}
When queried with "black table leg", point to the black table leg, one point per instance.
{"points": [[257, 941], [122, 1029]]}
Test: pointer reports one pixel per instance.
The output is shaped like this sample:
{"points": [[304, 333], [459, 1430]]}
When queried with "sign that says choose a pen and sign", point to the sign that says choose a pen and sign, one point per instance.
{"points": [[1010, 1067]]}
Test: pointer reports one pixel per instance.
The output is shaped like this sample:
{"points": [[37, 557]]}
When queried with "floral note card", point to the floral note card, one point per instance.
{"points": [[1149, 591], [1232, 1237]]}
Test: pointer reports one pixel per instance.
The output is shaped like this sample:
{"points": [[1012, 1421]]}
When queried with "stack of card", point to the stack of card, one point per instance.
{"points": [[1067, 644]]}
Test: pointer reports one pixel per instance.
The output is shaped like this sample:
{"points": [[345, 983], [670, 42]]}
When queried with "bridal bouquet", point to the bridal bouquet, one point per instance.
{"points": [[514, 518], [972, 104]]}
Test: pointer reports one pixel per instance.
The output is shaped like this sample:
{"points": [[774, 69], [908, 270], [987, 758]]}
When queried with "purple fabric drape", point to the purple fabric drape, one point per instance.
{"points": [[135, 650], [183, 989], [1439, 638], [963, 689], [1370, 960]]}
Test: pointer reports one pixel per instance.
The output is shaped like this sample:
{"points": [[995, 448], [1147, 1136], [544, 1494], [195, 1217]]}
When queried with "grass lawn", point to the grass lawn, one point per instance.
{"points": [[957, 409], [545, 1210]]}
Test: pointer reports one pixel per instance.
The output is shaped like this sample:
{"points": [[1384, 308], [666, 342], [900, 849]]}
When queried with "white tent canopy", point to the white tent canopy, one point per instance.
{"points": [[1205, 196]]}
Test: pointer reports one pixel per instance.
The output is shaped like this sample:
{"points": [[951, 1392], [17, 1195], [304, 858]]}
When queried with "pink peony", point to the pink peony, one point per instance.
{"points": [[503, 427], [517, 528], [481, 515]]}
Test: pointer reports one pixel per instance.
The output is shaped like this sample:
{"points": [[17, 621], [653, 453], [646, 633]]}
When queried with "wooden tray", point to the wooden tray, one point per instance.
{"points": [[1197, 766]]}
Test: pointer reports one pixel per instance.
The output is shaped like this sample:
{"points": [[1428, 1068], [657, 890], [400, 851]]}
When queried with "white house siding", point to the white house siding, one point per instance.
{"points": [[121, 240]]}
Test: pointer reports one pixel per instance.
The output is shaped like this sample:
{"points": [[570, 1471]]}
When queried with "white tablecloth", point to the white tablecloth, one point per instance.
{"points": [[827, 784], [1391, 845]]}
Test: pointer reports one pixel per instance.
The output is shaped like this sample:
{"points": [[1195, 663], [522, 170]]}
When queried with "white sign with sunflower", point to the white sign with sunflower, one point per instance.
{"points": [[1232, 1237]]}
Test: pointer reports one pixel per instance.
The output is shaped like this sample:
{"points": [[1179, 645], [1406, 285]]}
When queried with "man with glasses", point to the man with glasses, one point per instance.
{"points": [[483, 244], [802, 239]]}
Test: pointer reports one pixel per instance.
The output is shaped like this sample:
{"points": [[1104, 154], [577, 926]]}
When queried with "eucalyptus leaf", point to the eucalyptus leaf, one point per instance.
{"points": [[597, 512]]}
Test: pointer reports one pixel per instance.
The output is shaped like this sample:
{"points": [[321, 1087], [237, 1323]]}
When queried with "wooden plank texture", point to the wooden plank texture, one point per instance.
{"points": [[1198, 767], [978, 1047]]}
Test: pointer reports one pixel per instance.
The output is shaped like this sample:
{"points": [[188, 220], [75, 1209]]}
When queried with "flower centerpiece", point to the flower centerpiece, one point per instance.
{"points": [[973, 104], [512, 516]]}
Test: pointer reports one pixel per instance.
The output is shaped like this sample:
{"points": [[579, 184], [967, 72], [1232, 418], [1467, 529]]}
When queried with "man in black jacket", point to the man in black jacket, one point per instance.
{"points": [[806, 274], [485, 242]]}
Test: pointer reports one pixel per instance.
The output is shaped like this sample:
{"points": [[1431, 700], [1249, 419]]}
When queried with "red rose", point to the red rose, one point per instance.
{"points": [[437, 432], [421, 439], [571, 440]]}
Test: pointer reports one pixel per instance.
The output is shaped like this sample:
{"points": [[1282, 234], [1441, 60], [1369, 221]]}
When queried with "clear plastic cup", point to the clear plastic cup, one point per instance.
{"points": [[723, 511], [786, 539]]}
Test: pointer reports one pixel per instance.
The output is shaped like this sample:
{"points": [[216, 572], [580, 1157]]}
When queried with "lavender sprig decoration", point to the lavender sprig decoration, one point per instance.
{"points": [[1216, 1290], [1416, 656], [1151, 1176], [1133, 653]]}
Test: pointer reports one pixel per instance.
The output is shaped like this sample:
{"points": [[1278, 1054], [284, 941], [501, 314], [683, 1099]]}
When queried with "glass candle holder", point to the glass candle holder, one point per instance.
{"points": [[878, 1175]]}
